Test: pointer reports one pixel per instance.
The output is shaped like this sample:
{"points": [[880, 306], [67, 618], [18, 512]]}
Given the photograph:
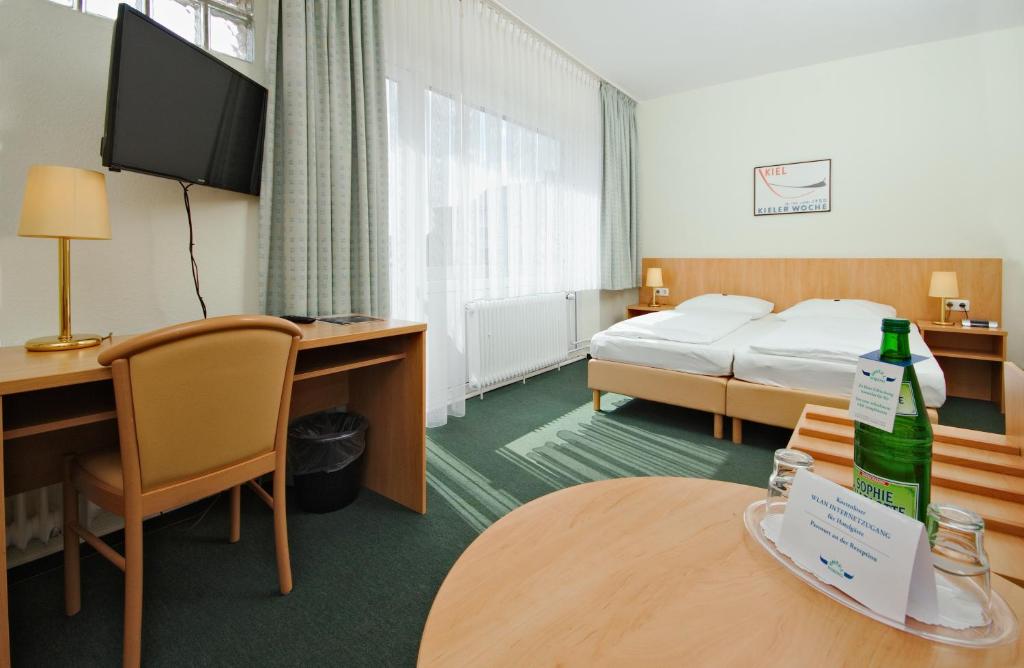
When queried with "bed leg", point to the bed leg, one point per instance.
{"points": [[737, 431], [719, 425], [597, 400]]}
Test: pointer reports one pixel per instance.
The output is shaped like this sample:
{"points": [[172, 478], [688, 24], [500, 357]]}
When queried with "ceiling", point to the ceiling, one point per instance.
{"points": [[650, 48]]}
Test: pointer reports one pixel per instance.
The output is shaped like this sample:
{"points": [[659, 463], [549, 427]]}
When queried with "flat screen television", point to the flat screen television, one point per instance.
{"points": [[174, 110]]}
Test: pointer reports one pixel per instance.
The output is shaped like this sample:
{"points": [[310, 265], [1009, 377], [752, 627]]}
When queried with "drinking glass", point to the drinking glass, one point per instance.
{"points": [[957, 536], [786, 463]]}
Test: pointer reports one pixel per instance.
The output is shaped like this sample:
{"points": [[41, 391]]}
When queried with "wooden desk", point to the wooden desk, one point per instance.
{"points": [[52, 404], [655, 572], [974, 469]]}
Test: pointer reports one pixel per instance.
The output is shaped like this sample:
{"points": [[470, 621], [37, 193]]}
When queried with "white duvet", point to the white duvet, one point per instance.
{"points": [[682, 326], [829, 340]]}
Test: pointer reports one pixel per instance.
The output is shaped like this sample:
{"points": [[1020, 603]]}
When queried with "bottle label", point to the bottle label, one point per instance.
{"points": [[896, 494], [906, 404]]}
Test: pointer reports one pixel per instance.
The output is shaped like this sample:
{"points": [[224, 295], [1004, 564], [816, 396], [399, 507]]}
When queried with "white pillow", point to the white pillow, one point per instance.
{"points": [[752, 306], [859, 309]]}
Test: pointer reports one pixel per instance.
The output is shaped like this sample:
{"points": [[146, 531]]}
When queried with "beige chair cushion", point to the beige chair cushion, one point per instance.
{"points": [[206, 402], [105, 466]]}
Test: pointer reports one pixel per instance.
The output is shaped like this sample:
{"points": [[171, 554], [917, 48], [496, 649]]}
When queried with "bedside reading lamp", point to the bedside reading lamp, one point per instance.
{"points": [[654, 280], [944, 287], [64, 203]]}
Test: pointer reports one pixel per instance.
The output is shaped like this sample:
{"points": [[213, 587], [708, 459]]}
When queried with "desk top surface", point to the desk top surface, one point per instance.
{"points": [[654, 571], [22, 371]]}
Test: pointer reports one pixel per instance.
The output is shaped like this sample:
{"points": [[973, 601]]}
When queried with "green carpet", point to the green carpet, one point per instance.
{"points": [[365, 576]]}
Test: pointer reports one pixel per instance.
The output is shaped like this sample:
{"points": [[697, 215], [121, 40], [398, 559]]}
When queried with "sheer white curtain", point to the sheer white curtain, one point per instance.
{"points": [[494, 173]]}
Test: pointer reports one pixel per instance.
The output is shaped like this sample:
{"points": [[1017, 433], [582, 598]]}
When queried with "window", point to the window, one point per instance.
{"points": [[494, 174], [224, 26]]}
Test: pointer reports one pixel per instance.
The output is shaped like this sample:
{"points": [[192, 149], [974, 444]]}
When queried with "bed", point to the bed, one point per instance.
{"points": [[681, 357], [811, 357], [693, 377], [714, 358]]}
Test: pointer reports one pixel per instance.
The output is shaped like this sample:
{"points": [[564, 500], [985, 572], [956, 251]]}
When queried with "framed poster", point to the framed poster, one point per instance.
{"points": [[794, 187]]}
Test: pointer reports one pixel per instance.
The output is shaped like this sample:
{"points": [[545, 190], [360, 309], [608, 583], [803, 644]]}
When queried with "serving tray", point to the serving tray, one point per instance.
{"points": [[1003, 628]]}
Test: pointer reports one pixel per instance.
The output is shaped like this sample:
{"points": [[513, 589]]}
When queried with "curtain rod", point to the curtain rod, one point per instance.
{"points": [[512, 16]]}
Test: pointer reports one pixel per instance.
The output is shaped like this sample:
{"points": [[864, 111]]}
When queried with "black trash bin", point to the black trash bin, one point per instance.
{"points": [[325, 452]]}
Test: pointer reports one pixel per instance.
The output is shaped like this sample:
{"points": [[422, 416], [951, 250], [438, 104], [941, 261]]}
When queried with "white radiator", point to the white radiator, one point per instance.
{"points": [[34, 515], [35, 524], [507, 339]]}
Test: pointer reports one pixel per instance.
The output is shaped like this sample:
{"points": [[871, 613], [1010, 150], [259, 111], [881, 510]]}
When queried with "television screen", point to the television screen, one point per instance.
{"points": [[174, 110]]}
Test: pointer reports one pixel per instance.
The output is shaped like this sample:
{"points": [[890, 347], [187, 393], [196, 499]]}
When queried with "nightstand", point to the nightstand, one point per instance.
{"points": [[971, 359], [640, 309]]}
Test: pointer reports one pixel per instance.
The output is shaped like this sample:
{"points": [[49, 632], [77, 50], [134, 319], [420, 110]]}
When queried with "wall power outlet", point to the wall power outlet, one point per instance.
{"points": [[661, 292], [958, 305]]}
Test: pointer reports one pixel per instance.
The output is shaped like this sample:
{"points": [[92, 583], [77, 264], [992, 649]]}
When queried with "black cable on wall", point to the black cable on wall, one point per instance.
{"points": [[192, 245]]}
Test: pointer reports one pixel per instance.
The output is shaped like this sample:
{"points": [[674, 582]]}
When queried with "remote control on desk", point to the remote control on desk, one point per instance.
{"points": [[299, 319]]}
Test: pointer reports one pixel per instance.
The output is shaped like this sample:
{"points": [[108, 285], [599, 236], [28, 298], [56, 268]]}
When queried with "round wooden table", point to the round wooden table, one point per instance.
{"points": [[655, 572]]}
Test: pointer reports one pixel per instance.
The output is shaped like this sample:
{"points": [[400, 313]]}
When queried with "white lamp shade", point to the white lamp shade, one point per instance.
{"points": [[654, 278], [943, 284], [64, 202]]}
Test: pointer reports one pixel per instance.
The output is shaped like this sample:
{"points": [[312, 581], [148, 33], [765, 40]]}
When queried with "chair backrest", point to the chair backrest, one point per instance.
{"points": [[1013, 384], [201, 396]]}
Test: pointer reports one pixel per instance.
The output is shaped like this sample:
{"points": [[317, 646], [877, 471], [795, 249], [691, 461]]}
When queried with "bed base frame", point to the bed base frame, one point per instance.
{"points": [[687, 390], [767, 404], [722, 397]]}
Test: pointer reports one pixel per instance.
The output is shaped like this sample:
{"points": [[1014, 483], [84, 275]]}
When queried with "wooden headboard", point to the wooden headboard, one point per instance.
{"points": [[900, 282]]}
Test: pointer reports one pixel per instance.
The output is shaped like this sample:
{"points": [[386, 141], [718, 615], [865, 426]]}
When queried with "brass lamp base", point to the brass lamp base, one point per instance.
{"points": [[65, 340], [53, 343], [942, 314]]}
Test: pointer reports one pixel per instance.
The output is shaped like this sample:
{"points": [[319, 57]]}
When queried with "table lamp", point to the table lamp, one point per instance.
{"points": [[64, 203], [654, 280], [944, 287]]}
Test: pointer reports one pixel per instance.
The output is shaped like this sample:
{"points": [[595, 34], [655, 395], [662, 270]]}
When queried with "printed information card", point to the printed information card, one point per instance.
{"points": [[876, 393], [879, 393], [873, 553]]}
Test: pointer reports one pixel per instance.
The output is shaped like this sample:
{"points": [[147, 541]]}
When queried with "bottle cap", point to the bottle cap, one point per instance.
{"points": [[896, 325]]}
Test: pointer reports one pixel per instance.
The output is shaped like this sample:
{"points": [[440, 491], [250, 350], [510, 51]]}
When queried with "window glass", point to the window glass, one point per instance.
{"points": [[184, 17], [243, 6], [230, 34], [107, 8], [224, 26]]}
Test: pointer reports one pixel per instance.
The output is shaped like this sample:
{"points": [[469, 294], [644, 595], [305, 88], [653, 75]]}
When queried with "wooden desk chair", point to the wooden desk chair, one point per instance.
{"points": [[202, 407]]}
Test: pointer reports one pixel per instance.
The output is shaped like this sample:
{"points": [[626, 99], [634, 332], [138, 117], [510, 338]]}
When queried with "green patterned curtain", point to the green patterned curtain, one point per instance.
{"points": [[323, 242], [620, 253]]}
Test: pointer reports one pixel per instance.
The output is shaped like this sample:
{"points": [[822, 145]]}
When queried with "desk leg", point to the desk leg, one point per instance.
{"points": [[393, 399], [5, 632]]}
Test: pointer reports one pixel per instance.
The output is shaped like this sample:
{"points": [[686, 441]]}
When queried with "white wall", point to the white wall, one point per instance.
{"points": [[927, 149], [600, 309], [53, 81]]}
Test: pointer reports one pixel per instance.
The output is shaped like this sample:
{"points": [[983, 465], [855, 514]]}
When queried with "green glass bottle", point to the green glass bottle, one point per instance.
{"points": [[895, 468]]}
